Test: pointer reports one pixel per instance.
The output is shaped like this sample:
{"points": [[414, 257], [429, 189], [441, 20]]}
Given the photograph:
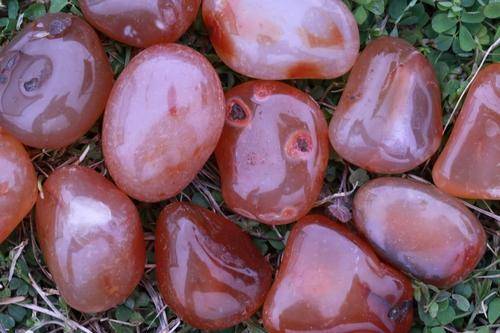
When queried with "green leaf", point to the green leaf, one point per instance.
{"points": [[396, 8], [34, 11], [57, 5], [358, 177], [443, 5], [16, 312], [143, 300], [492, 10], [438, 330], [465, 38], [117, 328], [13, 9], [443, 42], [472, 17], [494, 310], [461, 302], [136, 318], [433, 310], [441, 23], [376, 7], [7, 321], [483, 329], [446, 316], [360, 14], [123, 313], [467, 3], [464, 289]]}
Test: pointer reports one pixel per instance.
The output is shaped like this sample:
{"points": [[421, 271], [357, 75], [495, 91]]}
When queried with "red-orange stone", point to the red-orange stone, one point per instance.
{"points": [[469, 166], [209, 271], [162, 122], [283, 39], [331, 281], [141, 23], [91, 238], [389, 116], [419, 229], [273, 151], [54, 81], [18, 184]]}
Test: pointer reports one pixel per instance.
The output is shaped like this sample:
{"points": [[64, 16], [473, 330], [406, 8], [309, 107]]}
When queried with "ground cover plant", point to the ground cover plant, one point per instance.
{"points": [[457, 36]]}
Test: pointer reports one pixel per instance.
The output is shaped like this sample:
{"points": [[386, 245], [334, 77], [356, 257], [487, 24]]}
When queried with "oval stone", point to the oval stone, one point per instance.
{"points": [[209, 271], [54, 81], [162, 122], [282, 39], [91, 238], [18, 184], [331, 281], [389, 116], [141, 23], [273, 151], [469, 166], [419, 229]]}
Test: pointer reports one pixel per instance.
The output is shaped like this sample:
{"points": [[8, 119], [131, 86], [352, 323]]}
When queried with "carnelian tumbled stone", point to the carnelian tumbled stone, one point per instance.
{"points": [[18, 184], [54, 81], [419, 229], [91, 238], [141, 23], [331, 281], [209, 271], [469, 166], [273, 151], [283, 39], [162, 122], [389, 116]]}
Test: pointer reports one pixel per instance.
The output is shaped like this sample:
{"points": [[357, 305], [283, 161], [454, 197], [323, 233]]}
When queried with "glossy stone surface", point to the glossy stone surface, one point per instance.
{"points": [[18, 184], [283, 39], [91, 238], [273, 151], [331, 281], [209, 271], [419, 229], [141, 23], [469, 166], [162, 122], [54, 81], [389, 116]]}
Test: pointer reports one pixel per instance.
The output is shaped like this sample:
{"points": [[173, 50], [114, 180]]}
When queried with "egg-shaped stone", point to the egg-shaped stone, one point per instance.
{"points": [[273, 151], [162, 122], [18, 184], [209, 271], [283, 39], [388, 119], [469, 166], [54, 81], [91, 239], [330, 280], [141, 23], [419, 229]]}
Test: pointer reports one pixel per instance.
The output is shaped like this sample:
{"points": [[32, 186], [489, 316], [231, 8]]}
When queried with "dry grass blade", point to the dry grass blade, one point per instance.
{"points": [[17, 253]]}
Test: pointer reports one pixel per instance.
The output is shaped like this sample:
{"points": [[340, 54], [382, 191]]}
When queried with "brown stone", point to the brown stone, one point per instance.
{"points": [[273, 152], [420, 229], [209, 271], [389, 116], [162, 122], [469, 166], [54, 81], [91, 238], [282, 39], [141, 23], [331, 281]]}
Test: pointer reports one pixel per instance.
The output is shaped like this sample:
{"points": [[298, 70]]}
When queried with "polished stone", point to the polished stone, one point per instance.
{"points": [[54, 81], [330, 280], [389, 116], [91, 238], [419, 229], [209, 271], [273, 152], [282, 39], [469, 166], [162, 121]]}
